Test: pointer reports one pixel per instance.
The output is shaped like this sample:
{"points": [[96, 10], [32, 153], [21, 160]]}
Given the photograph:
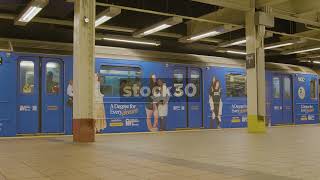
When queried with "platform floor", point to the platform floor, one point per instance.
{"points": [[284, 153]]}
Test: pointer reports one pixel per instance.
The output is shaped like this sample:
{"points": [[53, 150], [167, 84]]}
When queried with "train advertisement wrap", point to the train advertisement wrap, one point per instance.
{"points": [[169, 97], [306, 99], [142, 95]]}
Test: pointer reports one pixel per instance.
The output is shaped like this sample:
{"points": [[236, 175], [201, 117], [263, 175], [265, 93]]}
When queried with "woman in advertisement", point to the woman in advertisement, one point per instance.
{"points": [[163, 105], [151, 105], [98, 106], [215, 102]]}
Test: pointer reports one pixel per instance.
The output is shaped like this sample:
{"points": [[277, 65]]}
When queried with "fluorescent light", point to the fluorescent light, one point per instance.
{"points": [[156, 29], [236, 52], [305, 61], [233, 42], [278, 45], [238, 42], [52, 65], [26, 64], [102, 20], [29, 12], [153, 43], [316, 62], [158, 26], [205, 35], [106, 15], [212, 32], [303, 51]]}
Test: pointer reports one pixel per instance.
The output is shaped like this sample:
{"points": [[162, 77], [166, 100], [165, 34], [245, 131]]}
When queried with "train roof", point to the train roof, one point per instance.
{"points": [[44, 47], [289, 68]]}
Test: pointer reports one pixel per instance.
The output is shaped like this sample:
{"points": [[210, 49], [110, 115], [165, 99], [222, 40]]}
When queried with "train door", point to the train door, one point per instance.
{"points": [[179, 100], [187, 109], [52, 96], [287, 100], [40, 96], [28, 96], [195, 99], [281, 112]]}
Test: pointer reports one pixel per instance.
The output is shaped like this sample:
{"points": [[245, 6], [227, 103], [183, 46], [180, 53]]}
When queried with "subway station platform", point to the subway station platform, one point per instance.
{"points": [[285, 153]]}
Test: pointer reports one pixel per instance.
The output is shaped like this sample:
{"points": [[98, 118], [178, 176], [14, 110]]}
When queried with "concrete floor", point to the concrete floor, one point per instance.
{"points": [[284, 153]]}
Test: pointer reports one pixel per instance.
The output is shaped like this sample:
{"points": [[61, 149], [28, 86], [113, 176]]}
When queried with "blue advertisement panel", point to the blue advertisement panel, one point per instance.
{"points": [[8, 94], [306, 99], [225, 97], [133, 113]]}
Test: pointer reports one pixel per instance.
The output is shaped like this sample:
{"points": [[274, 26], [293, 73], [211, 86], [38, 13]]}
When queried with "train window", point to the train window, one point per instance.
{"points": [[115, 78], [236, 85], [26, 77], [276, 87], [53, 77], [313, 89], [177, 77], [287, 87]]}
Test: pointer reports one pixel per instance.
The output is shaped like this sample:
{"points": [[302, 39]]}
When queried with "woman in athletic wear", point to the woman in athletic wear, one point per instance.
{"points": [[151, 105], [215, 102], [98, 106]]}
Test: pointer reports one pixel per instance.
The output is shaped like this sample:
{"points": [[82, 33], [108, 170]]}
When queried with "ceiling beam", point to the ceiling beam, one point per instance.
{"points": [[167, 14], [242, 5], [294, 35], [263, 3], [299, 6], [309, 12], [294, 19], [224, 15], [104, 27]]}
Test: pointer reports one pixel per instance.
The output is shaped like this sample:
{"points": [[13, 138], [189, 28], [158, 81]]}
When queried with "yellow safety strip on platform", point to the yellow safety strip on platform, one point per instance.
{"points": [[256, 124], [28, 136]]}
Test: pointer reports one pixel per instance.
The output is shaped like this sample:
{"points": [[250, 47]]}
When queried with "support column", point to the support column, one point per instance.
{"points": [[83, 70], [256, 96]]}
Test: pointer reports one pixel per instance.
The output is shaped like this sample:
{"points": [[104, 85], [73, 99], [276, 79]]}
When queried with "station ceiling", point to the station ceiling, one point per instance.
{"points": [[295, 20]]}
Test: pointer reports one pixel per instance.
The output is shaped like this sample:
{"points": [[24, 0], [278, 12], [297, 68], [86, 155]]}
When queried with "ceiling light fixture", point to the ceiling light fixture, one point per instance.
{"points": [[32, 9], [302, 50], [214, 32], [284, 43], [158, 26], [125, 39], [201, 36], [277, 45], [234, 42], [106, 15], [236, 52], [305, 61]]}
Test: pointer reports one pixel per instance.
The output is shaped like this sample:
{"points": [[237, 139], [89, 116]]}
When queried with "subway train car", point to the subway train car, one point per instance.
{"points": [[200, 91]]}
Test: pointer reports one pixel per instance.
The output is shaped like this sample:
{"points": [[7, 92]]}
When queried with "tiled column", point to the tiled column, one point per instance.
{"points": [[255, 73], [83, 70]]}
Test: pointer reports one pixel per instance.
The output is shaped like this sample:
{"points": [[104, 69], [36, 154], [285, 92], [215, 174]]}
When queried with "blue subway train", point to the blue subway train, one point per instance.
{"points": [[35, 78]]}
